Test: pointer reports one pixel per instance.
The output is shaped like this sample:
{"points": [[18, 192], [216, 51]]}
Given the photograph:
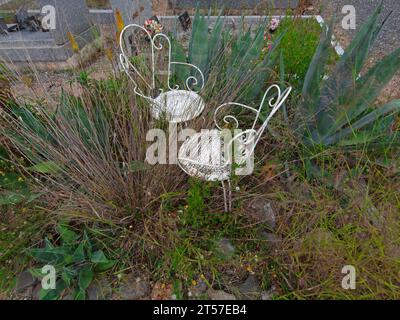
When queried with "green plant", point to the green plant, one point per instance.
{"points": [[300, 39], [76, 261], [14, 188], [339, 109], [228, 60]]}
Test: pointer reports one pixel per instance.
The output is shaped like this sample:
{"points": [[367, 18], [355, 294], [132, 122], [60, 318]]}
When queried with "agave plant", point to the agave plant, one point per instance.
{"points": [[337, 109], [231, 56]]}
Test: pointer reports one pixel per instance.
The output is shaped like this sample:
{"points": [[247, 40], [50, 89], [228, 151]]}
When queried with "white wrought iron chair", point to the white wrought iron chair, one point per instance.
{"points": [[176, 104], [208, 155]]}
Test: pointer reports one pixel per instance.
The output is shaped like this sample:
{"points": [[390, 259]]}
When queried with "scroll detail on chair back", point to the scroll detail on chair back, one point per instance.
{"points": [[176, 103], [208, 156]]}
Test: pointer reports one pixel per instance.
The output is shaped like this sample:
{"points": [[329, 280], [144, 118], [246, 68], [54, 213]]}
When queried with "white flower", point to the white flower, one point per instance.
{"points": [[274, 24]]}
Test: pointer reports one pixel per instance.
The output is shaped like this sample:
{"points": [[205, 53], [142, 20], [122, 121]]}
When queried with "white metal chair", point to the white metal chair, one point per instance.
{"points": [[208, 155], [177, 104]]}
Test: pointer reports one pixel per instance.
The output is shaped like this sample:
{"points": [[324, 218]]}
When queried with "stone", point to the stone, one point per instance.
{"points": [[225, 248], [36, 291], [220, 295], [133, 289], [25, 281], [133, 11], [99, 290], [93, 292], [26, 46], [71, 16], [268, 295], [261, 211], [68, 296], [250, 289]]}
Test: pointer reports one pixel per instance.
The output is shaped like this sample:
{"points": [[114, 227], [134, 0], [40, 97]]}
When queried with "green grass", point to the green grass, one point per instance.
{"points": [[299, 42]]}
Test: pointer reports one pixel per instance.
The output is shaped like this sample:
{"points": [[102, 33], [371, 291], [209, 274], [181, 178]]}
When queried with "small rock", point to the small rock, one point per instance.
{"points": [[36, 291], [100, 290], [250, 288], [261, 211], [220, 295], [68, 296], [134, 289], [93, 292], [25, 280], [268, 295], [225, 248]]}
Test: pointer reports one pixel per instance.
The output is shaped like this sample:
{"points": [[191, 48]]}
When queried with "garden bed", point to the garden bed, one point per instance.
{"points": [[317, 201]]}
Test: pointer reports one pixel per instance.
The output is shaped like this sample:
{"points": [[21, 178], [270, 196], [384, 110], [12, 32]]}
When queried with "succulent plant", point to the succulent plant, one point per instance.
{"points": [[337, 109], [207, 50]]}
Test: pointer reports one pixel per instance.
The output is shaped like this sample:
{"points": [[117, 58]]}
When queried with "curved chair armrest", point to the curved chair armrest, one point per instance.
{"points": [[190, 78], [229, 117]]}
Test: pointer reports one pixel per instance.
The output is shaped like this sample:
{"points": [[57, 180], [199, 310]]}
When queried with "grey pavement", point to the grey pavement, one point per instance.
{"points": [[389, 38]]}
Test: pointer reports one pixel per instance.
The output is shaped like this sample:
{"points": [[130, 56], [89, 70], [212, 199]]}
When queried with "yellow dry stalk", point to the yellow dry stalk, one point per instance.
{"points": [[120, 23], [74, 44]]}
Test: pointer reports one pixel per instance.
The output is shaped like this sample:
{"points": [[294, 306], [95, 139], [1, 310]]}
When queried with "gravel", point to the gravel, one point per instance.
{"points": [[389, 38]]}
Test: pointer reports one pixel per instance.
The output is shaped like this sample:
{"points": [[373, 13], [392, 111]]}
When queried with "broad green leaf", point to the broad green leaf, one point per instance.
{"points": [[49, 255], [99, 257], [53, 294], [36, 272], [104, 266], [80, 294], [79, 254], [67, 236], [67, 275], [87, 244], [85, 277], [49, 294]]}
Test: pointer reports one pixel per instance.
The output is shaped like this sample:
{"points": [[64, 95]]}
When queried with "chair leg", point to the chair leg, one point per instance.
{"points": [[230, 195], [225, 199]]}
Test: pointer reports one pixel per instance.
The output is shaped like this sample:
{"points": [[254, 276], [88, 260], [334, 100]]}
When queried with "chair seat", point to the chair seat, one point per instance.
{"points": [[178, 106], [202, 156]]}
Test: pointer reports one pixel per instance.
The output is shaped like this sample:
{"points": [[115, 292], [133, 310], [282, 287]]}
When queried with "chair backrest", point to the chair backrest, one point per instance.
{"points": [[250, 137], [156, 44]]}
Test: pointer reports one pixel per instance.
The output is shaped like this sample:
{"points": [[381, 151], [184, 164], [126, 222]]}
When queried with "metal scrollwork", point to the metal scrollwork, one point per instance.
{"points": [[157, 45]]}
